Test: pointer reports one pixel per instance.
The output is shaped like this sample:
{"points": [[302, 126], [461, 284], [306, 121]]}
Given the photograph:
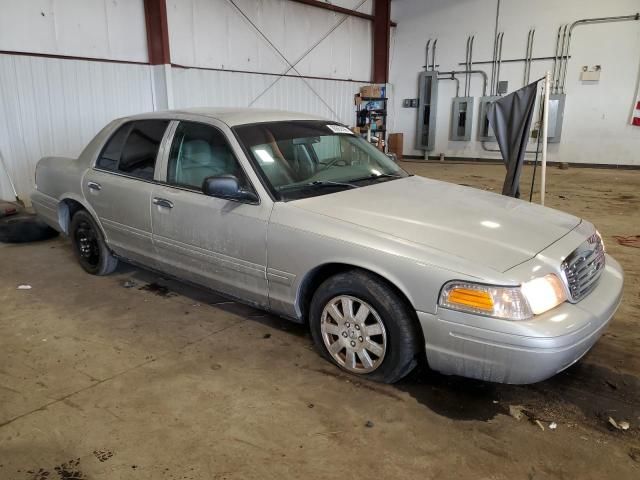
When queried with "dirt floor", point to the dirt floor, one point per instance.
{"points": [[133, 376]]}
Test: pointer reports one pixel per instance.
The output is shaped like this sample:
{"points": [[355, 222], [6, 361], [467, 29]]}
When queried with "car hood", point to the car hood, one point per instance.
{"points": [[493, 230]]}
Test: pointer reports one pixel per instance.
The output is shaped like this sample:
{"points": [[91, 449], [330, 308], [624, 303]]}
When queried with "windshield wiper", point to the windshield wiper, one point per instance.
{"points": [[319, 183], [373, 176]]}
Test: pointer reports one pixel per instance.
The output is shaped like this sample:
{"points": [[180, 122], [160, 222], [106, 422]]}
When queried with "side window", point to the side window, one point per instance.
{"points": [[110, 155], [200, 151], [139, 153], [133, 148]]}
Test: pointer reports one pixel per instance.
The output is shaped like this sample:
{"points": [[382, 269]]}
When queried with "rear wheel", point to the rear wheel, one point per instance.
{"points": [[361, 324], [89, 245]]}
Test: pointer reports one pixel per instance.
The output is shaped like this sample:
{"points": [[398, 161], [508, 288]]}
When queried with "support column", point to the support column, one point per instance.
{"points": [[155, 12], [381, 40]]}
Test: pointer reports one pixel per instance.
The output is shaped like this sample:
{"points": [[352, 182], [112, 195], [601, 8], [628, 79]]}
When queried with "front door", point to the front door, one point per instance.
{"points": [[212, 241], [119, 187]]}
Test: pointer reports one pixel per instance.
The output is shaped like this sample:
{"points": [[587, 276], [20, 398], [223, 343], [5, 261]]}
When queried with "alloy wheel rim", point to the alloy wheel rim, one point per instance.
{"points": [[87, 243], [353, 334]]}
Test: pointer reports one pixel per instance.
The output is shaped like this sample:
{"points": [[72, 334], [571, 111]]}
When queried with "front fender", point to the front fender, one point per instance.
{"points": [[344, 263], [298, 245]]}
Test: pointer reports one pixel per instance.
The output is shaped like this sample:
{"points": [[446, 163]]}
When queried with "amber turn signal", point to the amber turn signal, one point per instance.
{"points": [[471, 298]]}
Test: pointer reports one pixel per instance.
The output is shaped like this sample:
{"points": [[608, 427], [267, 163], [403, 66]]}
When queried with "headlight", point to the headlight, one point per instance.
{"points": [[544, 293], [500, 302], [509, 303]]}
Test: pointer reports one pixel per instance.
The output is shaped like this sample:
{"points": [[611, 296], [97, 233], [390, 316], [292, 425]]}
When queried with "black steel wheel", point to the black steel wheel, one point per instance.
{"points": [[89, 245]]}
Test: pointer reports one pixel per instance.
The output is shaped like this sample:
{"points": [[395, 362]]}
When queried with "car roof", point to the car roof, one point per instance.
{"points": [[233, 116]]}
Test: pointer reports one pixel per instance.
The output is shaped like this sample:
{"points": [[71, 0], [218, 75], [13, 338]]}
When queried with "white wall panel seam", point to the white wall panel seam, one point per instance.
{"points": [[106, 26]]}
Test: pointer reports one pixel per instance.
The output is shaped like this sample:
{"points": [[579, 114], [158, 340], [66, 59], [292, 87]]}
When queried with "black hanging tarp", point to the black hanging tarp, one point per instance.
{"points": [[510, 117]]}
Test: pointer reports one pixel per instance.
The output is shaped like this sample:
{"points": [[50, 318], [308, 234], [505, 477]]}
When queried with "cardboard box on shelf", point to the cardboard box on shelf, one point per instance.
{"points": [[372, 91], [395, 144]]}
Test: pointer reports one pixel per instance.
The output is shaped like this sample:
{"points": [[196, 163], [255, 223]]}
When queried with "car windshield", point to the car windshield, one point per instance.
{"points": [[307, 158]]}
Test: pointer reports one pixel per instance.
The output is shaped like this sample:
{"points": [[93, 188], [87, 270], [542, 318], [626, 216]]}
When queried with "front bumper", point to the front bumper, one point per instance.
{"points": [[521, 352]]}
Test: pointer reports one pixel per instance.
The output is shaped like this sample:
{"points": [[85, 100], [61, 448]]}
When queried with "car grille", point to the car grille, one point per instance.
{"points": [[583, 267]]}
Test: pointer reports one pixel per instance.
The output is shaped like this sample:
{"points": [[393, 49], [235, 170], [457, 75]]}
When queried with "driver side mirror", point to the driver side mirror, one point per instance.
{"points": [[227, 187]]}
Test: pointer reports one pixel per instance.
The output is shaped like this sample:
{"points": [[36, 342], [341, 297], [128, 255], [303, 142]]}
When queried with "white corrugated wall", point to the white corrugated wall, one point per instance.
{"points": [[50, 106], [329, 98], [81, 28], [53, 106], [215, 34]]}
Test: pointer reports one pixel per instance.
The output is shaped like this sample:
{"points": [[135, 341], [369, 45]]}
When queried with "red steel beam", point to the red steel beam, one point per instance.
{"points": [[70, 57], [381, 40], [155, 14], [337, 9]]}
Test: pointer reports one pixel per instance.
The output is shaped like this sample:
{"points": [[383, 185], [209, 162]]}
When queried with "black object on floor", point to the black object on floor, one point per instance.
{"points": [[7, 208], [24, 227]]}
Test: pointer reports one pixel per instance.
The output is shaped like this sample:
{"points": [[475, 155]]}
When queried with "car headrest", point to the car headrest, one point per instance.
{"points": [[197, 151]]}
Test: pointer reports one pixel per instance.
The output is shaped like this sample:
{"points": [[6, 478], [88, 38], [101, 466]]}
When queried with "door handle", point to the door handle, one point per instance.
{"points": [[162, 202], [94, 186]]}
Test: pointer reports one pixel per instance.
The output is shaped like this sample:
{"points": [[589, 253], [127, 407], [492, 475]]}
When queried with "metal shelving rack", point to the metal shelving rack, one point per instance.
{"points": [[365, 117]]}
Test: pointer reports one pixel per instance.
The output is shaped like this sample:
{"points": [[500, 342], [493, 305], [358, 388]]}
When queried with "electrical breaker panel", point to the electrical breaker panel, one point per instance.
{"points": [[485, 132], [556, 115], [461, 119], [427, 103]]}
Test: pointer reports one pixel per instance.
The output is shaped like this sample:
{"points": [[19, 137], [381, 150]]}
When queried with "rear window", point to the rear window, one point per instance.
{"points": [[133, 149]]}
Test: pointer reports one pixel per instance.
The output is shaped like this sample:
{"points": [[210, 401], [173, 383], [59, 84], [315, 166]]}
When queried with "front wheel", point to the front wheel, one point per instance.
{"points": [[89, 245], [361, 324]]}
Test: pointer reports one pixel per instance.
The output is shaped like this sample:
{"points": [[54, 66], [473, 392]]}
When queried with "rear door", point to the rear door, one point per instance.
{"points": [[119, 187], [212, 241]]}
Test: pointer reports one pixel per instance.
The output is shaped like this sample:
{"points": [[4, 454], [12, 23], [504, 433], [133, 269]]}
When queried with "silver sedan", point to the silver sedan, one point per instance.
{"points": [[296, 215]]}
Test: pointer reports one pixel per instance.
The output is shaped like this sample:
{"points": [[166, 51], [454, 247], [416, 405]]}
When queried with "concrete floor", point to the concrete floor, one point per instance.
{"points": [[166, 381]]}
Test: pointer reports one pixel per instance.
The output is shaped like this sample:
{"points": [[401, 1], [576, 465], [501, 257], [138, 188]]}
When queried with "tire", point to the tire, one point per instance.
{"points": [[89, 245], [23, 228], [389, 323]]}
